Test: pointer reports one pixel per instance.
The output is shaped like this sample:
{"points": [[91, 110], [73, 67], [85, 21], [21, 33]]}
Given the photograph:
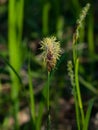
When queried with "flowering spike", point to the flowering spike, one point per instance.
{"points": [[51, 51]]}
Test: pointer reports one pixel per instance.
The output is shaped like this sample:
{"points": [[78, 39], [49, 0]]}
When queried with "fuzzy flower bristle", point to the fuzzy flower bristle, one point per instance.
{"points": [[51, 51]]}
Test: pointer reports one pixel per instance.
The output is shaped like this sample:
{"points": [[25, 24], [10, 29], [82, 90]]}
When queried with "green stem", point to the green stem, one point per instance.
{"points": [[76, 108], [78, 89], [31, 91], [42, 102], [48, 102], [48, 90], [14, 59], [20, 16]]}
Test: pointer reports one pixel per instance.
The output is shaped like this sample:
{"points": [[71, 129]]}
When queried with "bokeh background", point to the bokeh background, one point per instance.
{"points": [[23, 24]]}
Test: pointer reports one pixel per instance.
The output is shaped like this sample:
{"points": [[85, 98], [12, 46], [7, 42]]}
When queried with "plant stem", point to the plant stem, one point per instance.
{"points": [[78, 90], [48, 90], [31, 91], [76, 108], [42, 103], [48, 102], [14, 59]]}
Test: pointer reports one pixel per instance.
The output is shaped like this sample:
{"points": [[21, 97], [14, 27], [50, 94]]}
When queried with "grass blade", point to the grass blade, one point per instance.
{"points": [[88, 113]]}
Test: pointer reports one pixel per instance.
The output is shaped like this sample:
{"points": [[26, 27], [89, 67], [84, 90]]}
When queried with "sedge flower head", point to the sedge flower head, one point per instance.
{"points": [[51, 51]]}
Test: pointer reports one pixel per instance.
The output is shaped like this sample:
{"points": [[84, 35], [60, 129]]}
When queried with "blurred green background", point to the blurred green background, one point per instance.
{"points": [[23, 24]]}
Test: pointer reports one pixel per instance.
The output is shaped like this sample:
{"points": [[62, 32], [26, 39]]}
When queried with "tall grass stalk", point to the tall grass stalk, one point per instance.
{"points": [[71, 75], [31, 92], [15, 20], [51, 53], [76, 109], [85, 119], [78, 90], [75, 80]]}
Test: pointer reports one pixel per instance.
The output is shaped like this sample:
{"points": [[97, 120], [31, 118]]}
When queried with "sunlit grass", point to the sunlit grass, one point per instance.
{"points": [[50, 18], [15, 22]]}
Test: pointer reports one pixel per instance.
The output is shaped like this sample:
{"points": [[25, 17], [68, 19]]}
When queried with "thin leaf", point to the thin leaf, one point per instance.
{"points": [[88, 113]]}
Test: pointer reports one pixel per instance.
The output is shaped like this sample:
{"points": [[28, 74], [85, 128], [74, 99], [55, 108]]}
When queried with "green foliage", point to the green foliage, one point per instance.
{"points": [[82, 120], [15, 22], [24, 82]]}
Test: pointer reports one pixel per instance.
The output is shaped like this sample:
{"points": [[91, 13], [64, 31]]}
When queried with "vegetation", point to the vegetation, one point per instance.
{"points": [[48, 65]]}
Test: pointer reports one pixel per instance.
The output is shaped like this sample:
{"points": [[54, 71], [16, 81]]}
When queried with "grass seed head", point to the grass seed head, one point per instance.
{"points": [[51, 51]]}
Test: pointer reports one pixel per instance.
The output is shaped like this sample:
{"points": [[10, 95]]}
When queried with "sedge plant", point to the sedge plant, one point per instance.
{"points": [[51, 53], [73, 69]]}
